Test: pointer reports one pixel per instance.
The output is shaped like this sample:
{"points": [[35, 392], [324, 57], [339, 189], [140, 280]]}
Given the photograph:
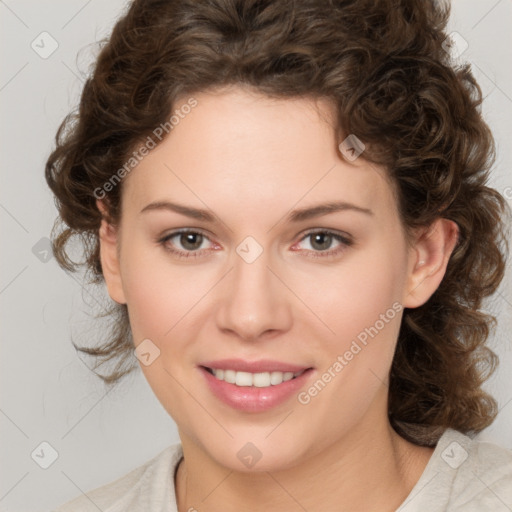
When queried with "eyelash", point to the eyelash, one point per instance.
{"points": [[344, 240]]}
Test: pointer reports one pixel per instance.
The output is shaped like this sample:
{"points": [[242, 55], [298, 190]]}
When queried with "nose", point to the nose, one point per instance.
{"points": [[254, 302]]}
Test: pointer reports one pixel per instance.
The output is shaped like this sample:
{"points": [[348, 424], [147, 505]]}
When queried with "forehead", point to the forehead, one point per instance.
{"points": [[253, 152]]}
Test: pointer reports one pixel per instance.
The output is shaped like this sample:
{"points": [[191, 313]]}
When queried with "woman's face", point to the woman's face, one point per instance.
{"points": [[267, 275]]}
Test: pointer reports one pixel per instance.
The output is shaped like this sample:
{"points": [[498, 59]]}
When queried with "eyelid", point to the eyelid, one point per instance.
{"points": [[343, 238], [334, 232], [164, 238]]}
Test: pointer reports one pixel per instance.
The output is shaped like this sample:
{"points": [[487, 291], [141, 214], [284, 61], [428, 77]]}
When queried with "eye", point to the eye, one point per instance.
{"points": [[188, 243], [321, 242], [191, 242]]}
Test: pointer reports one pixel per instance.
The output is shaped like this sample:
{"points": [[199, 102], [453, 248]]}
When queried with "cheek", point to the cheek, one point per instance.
{"points": [[352, 298], [159, 293], [360, 302], [161, 299]]}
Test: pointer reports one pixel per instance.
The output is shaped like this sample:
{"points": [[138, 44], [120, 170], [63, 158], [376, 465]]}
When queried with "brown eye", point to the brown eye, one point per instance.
{"points": [[321, 241], [191, 241], [324, 243], [186, 243]]}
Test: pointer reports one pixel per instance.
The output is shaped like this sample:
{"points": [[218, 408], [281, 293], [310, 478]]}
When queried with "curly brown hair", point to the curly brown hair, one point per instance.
{"points": [[384, 65]]}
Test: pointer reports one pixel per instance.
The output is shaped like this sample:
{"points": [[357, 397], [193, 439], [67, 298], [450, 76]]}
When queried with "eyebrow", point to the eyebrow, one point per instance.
{"points": [[194, 213], [324, 209], [294, 216]]}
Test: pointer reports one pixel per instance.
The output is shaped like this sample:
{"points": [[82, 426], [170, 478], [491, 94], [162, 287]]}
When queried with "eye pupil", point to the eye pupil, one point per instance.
{"points": [[191, 241], [324, 241]]}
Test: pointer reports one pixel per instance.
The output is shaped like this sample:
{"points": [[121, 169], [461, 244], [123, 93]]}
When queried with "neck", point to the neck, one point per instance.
{"points": [[368, 469]]}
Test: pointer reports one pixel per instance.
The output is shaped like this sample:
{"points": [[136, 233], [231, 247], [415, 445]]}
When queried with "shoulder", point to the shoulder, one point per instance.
{"points": [[151, 483], [463, 474], [483, 477]]}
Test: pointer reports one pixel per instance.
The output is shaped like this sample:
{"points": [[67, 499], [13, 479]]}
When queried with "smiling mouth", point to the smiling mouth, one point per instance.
{"points": [[258, 380]]}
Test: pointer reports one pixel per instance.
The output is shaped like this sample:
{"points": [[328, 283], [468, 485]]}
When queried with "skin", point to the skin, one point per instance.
{"points": [[250, 160]]}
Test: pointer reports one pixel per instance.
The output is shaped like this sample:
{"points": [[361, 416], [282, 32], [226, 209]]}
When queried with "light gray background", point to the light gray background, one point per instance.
{"points": [[48, 393]]}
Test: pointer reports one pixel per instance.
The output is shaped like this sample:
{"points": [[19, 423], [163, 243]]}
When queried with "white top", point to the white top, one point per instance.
{"points": [[462, 475]]}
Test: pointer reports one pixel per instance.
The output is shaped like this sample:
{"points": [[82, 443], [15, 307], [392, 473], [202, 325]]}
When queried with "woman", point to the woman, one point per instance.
{"points": [[288, 204]]}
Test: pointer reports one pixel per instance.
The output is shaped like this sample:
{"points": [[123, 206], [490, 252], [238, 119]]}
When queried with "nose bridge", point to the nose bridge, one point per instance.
{"points": [[254, 300]]}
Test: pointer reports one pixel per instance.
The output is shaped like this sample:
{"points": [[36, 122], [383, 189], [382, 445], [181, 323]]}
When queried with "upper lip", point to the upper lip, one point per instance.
{"points": [[263, 365]]}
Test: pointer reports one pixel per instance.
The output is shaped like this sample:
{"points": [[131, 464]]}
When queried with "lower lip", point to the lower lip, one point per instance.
{"points": [[253, 399]]}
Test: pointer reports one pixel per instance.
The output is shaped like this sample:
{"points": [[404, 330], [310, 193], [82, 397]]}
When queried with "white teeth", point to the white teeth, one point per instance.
{"points": [[229, 375], [259, 380], [276, 378], [243, 379]]}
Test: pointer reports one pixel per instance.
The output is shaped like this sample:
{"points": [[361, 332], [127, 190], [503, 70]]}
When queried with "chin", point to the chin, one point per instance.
{"points": [[256, 453]]}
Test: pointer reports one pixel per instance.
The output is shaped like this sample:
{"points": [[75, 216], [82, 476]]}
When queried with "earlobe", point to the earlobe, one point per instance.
{"points": [[108, 239], [428, 261]]}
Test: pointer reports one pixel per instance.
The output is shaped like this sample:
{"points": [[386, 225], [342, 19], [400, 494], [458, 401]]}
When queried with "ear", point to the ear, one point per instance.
{"points": [[428, 260], [109, 256]]}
